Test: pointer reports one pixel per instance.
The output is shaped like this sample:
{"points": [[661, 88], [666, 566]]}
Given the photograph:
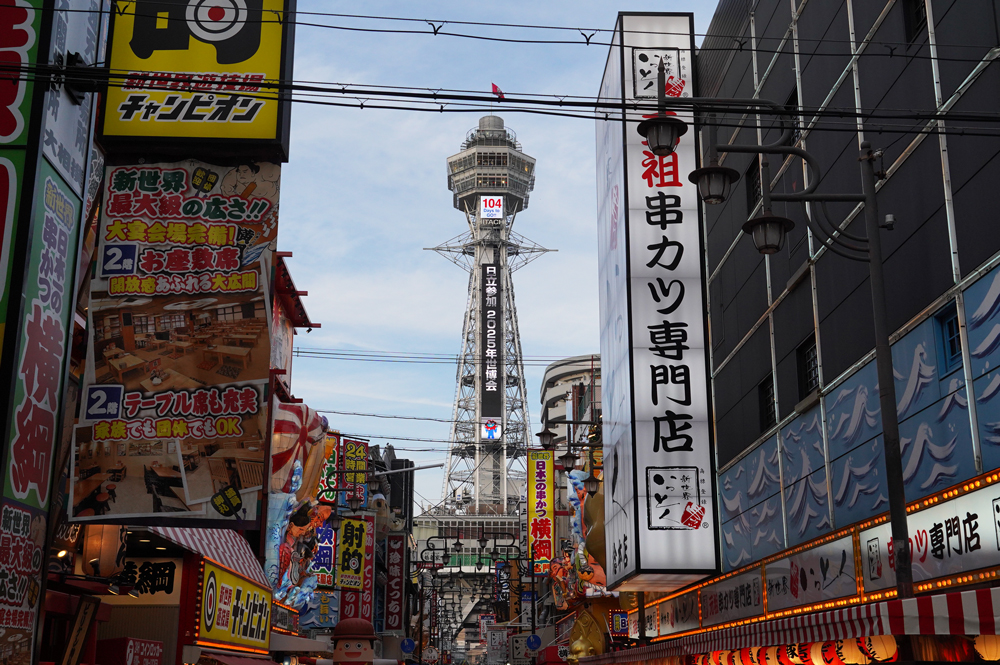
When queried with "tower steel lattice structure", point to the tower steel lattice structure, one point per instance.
{"points": [[489, 438]]}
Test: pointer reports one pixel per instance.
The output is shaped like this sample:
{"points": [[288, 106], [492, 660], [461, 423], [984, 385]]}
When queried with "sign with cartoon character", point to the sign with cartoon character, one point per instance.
{"points": [[199, 74], [353, 642]]}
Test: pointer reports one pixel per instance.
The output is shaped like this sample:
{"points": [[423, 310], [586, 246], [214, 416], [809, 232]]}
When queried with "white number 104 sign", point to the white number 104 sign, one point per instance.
{"points": [[491, 207]]}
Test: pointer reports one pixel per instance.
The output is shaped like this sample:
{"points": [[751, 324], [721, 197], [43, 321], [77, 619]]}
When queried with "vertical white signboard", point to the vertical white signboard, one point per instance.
{"points": [[660, 515]]}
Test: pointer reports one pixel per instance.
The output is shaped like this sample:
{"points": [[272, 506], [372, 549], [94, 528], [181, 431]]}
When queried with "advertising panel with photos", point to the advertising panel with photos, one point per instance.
{"points": [[204, 71], [173, 411], [659, 504]]}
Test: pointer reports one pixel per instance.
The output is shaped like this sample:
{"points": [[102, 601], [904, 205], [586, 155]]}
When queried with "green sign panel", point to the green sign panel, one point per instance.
{"points": [[43, 340]]}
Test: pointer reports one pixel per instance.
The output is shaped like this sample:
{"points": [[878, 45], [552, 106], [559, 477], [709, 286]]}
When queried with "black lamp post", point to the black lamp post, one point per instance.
{"points": [[768, 232]]}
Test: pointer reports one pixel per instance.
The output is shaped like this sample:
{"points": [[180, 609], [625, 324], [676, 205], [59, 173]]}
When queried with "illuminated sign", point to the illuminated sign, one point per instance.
{"points": [[234, 610], [491, 208], [541, 509], [658, 452], [203, 69], [351, 554]]}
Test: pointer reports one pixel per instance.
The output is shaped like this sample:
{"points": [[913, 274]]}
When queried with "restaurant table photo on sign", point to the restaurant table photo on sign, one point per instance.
{"points": [[173, 414]]}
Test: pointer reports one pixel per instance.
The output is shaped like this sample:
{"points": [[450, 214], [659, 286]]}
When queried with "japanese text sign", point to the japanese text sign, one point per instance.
{"points": [[355, 468], [659, 503], [198, 71], [820, 573], [284, 618], [737, 597], [130, 651], [179, 349], [351, 554], [541, 509], [22, 533], [496, 646], [948, 538], [48, 294], [492, 381], [396, 567], [679, 613], [234, 610], [486, 621], [68, 114], [361, 603], [329, 481]]}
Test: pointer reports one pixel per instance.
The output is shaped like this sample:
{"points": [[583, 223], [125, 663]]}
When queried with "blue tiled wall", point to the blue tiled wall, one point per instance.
{"points": [[935, 427]]}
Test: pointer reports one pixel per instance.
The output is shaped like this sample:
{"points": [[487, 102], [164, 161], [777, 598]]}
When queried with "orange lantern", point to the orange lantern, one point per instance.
{"points": [[850, 652], [769, 656], [746, 657], [988, 647], [880, 647], [104, 549]]}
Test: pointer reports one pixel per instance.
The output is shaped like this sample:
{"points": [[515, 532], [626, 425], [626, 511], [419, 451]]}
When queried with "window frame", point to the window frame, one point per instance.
{"points": [[808, 377]]}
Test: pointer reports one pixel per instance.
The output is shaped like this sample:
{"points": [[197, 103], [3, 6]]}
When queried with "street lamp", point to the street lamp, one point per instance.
{"points": [[354, 503], [592, 483], [768, 233], [546, 438], [335, 519], [568, 460], [662, 131]]}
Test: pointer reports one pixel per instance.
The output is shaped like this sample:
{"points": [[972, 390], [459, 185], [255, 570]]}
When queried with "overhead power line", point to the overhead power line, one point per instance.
{"points": [[435, 28]]}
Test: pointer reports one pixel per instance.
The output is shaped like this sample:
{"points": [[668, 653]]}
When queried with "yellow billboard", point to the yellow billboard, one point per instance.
{"points": [[541, 509], [350, 564], [203, 69], [235, 612]]}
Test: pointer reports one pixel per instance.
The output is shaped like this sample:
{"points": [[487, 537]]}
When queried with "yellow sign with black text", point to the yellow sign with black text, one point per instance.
{"points": [[201, 69], [234, 611]]}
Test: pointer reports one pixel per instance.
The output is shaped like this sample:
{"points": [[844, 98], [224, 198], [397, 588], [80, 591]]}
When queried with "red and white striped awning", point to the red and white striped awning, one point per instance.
{"points": [[223, 546], [957, 613]]}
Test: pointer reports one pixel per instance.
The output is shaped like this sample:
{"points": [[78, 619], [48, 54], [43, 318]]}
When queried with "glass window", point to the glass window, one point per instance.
{"points": [[808, 365], [765, 395], [951, 341]]}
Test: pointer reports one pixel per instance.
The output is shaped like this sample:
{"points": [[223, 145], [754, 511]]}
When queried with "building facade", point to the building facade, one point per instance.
{"points": [[800, 472], [571, 390]]}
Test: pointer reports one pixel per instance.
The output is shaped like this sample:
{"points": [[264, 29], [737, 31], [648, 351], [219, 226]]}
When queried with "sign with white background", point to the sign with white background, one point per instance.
{"points": [[661, 524], [958, 536], [491, 207]]}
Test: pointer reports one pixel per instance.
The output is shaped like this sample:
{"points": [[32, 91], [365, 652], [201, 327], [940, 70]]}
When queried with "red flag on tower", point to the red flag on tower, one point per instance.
{"points": [[497, 91]]}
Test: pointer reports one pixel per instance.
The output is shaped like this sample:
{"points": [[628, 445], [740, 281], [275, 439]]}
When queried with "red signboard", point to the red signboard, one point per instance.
{"points": [[130, 651], [396, 562]]}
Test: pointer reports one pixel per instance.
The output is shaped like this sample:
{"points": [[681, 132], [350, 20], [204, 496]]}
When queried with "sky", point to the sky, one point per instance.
{"points": [[365, 191]]}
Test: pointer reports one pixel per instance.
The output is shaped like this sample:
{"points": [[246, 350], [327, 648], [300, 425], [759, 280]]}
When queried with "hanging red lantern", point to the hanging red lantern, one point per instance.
{"points": [[828, 654]]}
